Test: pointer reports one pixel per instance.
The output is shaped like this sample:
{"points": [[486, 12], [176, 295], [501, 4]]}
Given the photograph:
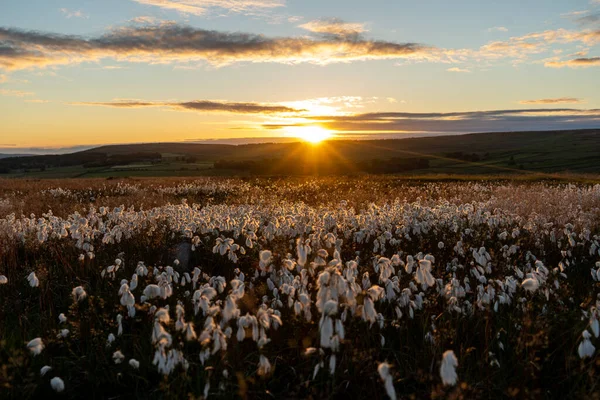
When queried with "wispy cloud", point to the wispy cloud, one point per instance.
{"points": [[589, 19], [168, 43], [575, 63], [334, 27], [558, 100], [73, 13], [498, 29], [3, 78], [15, 93], [199, 106], [457, 69], [461, 122], [144, 19], [37, 101], [201, 7]]}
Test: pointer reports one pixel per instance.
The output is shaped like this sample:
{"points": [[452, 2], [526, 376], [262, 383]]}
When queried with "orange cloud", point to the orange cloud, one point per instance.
{"points": [[199, 106], [15, 93], [574, 63], [334, 27], [168, 43], [560, 100], [200, 7]]}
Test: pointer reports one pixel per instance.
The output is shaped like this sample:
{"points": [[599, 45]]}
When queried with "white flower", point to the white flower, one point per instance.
{"points": [[119, 324], [44, 370], [448, 368], [3, 280], [595, 326], [152, 291], [57, 384], [63, 333], [264, 366], [62, 318], [530, 284], [118, 357], [423, 275], [134, 363], [265, 259], [36, 346], [586, 348], [33, 280], [386, 377], [78, 294], [111, 338]]}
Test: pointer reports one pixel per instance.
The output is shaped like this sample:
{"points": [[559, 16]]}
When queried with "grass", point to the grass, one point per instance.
{"points": [[533, 152], [540, 335]]}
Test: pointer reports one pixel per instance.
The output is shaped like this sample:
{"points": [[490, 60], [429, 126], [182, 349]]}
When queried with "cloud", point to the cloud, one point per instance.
{"points": [[590, 19], [3, 78], [201, 7], [199, 106], [143, 19], [498, 29], [169, 43], [334, 28], [559, 100], [15, 93], [73, 13], [37, 101], [461, 122], [456, 69], [574, 63], [520, 48]]}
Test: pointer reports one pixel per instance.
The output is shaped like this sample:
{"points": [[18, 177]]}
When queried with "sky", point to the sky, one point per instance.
{"points": [[88, 72]]}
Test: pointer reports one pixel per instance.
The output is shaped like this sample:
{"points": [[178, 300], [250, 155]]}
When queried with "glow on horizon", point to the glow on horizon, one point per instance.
{"points": [[93, 73], [311, 134]]}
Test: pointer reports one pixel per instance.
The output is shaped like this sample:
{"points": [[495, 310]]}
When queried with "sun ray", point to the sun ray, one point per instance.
{"points": [[312, 133]]}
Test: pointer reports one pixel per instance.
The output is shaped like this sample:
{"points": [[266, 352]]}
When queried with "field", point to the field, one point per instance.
{"points": [[370, 286]]}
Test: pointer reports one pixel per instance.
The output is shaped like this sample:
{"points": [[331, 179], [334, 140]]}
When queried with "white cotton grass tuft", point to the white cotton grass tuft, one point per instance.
{"points": [[265, 257], [33, 280], [530, 284], [586, 348], [134, 363], [264, 366], [386, 377], [35, 346], [57, 384], [45, 369], [3, 280], [594, 325], [448, 368], [110, 340], [118, 357], [78, 294]]}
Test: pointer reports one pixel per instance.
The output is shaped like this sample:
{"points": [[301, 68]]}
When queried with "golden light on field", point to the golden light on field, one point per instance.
{"points": [[312, 134]]}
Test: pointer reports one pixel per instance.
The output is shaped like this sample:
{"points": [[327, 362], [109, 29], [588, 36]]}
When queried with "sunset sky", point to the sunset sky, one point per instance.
{"points": [[126, 71]]}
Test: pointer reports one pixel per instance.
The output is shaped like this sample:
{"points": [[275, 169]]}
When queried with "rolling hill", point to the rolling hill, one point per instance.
{"points": [[481, 153]]}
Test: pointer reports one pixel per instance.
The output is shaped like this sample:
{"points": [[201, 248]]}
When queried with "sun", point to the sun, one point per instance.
{"points": [[312, 134]]}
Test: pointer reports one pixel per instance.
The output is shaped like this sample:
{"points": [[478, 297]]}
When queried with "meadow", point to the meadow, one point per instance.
{"points": [[370, 286]]}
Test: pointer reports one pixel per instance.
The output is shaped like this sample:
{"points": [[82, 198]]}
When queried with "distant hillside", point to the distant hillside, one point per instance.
{"points": [[2, 155], [480, 153]]}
